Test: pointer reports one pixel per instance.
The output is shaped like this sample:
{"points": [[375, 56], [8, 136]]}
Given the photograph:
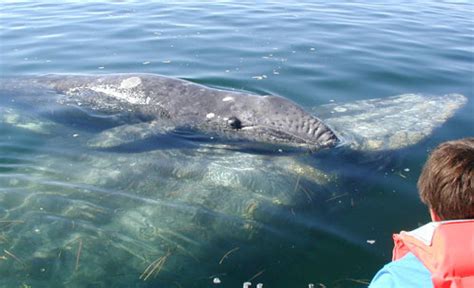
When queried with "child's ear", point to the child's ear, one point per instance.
{"points": [[434, 216]]}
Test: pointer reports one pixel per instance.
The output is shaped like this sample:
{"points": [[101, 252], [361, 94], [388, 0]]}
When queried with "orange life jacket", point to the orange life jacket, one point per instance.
{"points": [[445, 248]]}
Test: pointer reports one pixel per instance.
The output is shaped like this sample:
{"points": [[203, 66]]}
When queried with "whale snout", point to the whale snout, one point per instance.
{"points": [[308, 131], [287, 122], [315, 130]]}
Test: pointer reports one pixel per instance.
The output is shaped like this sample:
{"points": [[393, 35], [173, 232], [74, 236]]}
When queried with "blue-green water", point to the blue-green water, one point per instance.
{"points": [[73, 216]]}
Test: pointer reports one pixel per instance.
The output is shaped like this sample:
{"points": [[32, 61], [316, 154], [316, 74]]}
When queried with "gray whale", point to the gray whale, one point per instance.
{"points": [[139, 106], [165, 102], [132, 208]]}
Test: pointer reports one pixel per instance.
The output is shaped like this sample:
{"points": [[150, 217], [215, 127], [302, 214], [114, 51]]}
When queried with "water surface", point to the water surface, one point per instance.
{"points": [[80, 217]]}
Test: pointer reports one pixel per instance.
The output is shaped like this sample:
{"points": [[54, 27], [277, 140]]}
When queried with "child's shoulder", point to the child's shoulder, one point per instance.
{"points": [[407, 272]]}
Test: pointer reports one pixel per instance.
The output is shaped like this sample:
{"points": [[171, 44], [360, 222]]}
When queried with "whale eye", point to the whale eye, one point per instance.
{"points": [[234, 123]]}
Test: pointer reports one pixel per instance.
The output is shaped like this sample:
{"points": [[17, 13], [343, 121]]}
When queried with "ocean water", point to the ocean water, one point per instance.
{"points": [[193, 214]]}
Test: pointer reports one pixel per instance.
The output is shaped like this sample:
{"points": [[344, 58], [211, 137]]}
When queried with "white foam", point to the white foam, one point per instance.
{"points": [[340, 109]]}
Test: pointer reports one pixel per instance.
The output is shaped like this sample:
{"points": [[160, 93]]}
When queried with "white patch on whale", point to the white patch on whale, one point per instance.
{"points": [[210, 115], [131, 82], [125, 91], [228, 98], [130, 96]]}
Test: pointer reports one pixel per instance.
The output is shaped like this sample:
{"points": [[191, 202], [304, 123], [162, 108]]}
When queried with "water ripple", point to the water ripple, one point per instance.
{"points": [[77, 216]]}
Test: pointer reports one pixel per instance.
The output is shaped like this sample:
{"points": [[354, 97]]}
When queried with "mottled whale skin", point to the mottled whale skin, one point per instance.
{"points": [[180, 103]]}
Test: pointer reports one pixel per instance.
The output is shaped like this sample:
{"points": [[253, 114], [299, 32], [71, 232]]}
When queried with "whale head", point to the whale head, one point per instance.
{"points": [[269, 120]]}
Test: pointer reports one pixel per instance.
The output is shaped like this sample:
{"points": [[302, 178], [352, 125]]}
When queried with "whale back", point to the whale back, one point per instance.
{"points": [[175, 103]]}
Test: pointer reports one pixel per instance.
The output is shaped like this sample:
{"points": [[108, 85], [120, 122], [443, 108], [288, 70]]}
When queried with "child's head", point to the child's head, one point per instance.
{"points": [[446, 183]]}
